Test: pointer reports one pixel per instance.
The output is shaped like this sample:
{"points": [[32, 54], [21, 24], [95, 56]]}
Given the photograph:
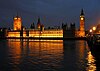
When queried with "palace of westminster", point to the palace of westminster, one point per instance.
{"points": [[40, 32]]}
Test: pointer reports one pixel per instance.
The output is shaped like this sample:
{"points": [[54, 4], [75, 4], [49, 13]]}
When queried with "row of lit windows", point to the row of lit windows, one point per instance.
{"points": [[38, 32], [17, 35], [52, 32], [13, 32], [46, 32], [32, 35], [17, 18]]}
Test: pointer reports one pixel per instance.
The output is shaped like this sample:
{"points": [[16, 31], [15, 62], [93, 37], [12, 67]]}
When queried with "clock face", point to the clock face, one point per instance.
{"points": [[82, 18]]}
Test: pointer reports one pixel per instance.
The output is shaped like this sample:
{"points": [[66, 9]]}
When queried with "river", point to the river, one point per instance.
{"points": [[46, 55]]}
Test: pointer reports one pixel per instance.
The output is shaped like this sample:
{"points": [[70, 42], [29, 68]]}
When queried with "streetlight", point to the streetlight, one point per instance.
{"points": [[94, 28], [90, 30]]}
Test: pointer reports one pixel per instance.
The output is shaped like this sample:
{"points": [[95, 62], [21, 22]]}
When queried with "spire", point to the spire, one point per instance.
{"points": [[82, 12], [39, 20], [17, 15]]}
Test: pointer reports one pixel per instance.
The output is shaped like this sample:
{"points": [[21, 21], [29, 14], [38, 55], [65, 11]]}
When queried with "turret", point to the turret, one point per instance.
{"points": [[17, 23], [38, 24]]}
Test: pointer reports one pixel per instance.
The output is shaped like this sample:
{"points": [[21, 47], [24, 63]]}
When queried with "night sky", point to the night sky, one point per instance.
{"points": [[51, 12]]}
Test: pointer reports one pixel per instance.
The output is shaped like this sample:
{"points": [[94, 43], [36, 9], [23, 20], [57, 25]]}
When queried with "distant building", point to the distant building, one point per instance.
{"points": [[40, 32], [33, 32], [69, 32]]}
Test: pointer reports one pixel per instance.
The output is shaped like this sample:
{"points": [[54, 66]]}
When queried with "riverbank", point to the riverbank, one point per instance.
{"points": [[49, 38]]}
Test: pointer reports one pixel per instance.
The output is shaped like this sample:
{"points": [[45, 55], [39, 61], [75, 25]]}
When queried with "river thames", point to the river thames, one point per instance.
{"points": [[46, 55]]}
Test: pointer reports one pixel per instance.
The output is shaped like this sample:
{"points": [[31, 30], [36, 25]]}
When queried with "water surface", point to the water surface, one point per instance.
{"points": [[45, 55]]}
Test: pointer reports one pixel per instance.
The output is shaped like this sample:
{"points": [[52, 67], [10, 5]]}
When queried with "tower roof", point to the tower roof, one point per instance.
{"points": [[82, 12], [38, 20], [17, 15]]}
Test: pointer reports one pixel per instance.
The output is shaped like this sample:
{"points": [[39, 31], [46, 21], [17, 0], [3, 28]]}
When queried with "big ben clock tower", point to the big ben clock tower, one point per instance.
{"points": [[82, 24]]}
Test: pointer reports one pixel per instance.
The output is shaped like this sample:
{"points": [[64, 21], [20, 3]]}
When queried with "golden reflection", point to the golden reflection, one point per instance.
{"points": [[45, 49], [14, 51], [80, 48], [91, 61], [46, 46]]}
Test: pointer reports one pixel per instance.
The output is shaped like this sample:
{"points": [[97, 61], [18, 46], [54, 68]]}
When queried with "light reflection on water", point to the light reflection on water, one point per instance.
{"points": [[91, 62], [45, 55], [38, 55]]}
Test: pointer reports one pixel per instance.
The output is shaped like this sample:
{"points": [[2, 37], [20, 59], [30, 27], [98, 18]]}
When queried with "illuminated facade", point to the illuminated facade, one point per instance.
{"points": [[52, 33], [13, 34], [17, 23], [40, 32]]}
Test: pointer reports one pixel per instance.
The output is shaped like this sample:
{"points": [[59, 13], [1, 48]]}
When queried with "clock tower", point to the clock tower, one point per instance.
{"points": [[82, 24]]}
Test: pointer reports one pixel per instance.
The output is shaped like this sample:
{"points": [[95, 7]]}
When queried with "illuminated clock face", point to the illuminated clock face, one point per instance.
{"points": [[82, 18]]}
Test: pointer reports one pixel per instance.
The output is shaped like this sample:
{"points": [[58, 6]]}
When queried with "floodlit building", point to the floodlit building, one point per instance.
{"points": [[40, 32]]}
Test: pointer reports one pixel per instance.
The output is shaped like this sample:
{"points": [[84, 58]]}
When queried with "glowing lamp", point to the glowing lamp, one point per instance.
{"points": [[90, 30], [19, 19], [94, 28], [15, 18]]}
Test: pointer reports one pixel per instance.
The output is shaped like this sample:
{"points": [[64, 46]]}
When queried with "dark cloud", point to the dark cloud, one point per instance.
{"points": [[51, 11]]}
